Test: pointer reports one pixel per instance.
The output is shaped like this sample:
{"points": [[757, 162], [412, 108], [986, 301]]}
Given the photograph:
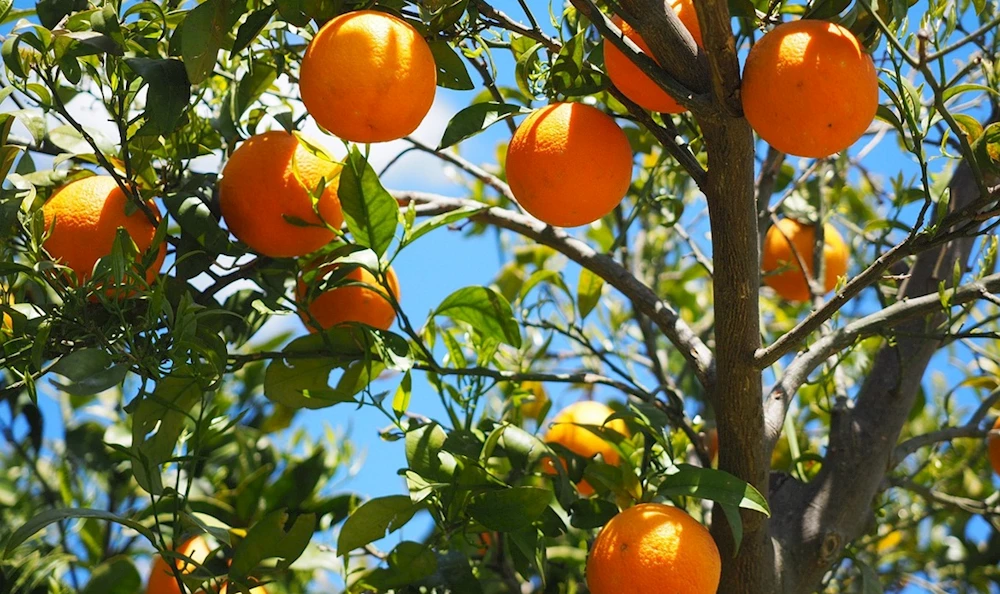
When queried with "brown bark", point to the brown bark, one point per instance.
{"points": [[813, 523]]}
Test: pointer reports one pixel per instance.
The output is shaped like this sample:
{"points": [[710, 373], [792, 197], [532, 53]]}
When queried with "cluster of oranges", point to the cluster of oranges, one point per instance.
{"points": [[367, 77], [809, 89], [653, 547]]}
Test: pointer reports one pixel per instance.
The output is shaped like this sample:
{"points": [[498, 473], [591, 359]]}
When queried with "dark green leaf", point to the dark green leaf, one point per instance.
{"points": [[115, 576], [408, 562], [370, 211], [303, 381], [90, 371], [474, 119], [168, 94], [485, 310], [51, 516], [373, 520], [571, 74], [202, 33], [425, 454], [735, 522], [50, 12], [166, 409], [870, 584], [451, 71], [511, 509], [587, 514], [251, 28], [268, 539], [716, 485]]}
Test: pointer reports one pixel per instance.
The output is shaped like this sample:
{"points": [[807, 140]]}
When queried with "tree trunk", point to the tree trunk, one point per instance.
{"points": [[813, 523]]}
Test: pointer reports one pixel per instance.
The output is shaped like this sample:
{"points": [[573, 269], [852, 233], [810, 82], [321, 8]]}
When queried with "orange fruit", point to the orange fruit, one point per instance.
{"points": [[531, 406], [630, 79], [993, 445], [809, 88], [485, 542], [780, 263], [712, 445], [565, 431], [351, 302], [368, 76], [569, 164], [161, 578], [654, 549], [88, 213], [271, 176]]}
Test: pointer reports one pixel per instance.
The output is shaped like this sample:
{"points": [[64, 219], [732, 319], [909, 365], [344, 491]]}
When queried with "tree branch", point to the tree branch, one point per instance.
{"points": [[645, 299], [970, 429], [671, 44], [819, 519]]}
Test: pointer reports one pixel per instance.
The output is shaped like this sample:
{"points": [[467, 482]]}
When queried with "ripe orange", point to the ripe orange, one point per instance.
{"points": [[781, 266], [565, 431], [993, 445], [654, 549], [161, 578], [368, 76], [352, 302], [809, 88], [87, 215], [569, 164], [712, 445], [630, 79], [531, 406], [271, 176]]}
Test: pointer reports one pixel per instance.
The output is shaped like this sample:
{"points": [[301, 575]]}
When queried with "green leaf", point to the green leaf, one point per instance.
{"points": [[50, 12], [451, 71], [571, 74], [510, 509], [485, 310], [588, 291], [587, 514], [168, 93], [252, 86], [303, 381], [89, 372], [370, 211], [716, 485], [202, 33], [870, 584], [5, 6], [165, 410], [735, 521], [401, 400], [114, 576], [475, 118], [425, 453], [373, 520], [408, 562], [251, 28], [443, 219], [454, 572], [51, 516], [197, 221], [268, 539]]}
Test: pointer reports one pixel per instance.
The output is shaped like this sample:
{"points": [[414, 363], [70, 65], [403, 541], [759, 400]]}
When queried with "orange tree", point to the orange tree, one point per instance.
{"points": [[818, 393]]}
